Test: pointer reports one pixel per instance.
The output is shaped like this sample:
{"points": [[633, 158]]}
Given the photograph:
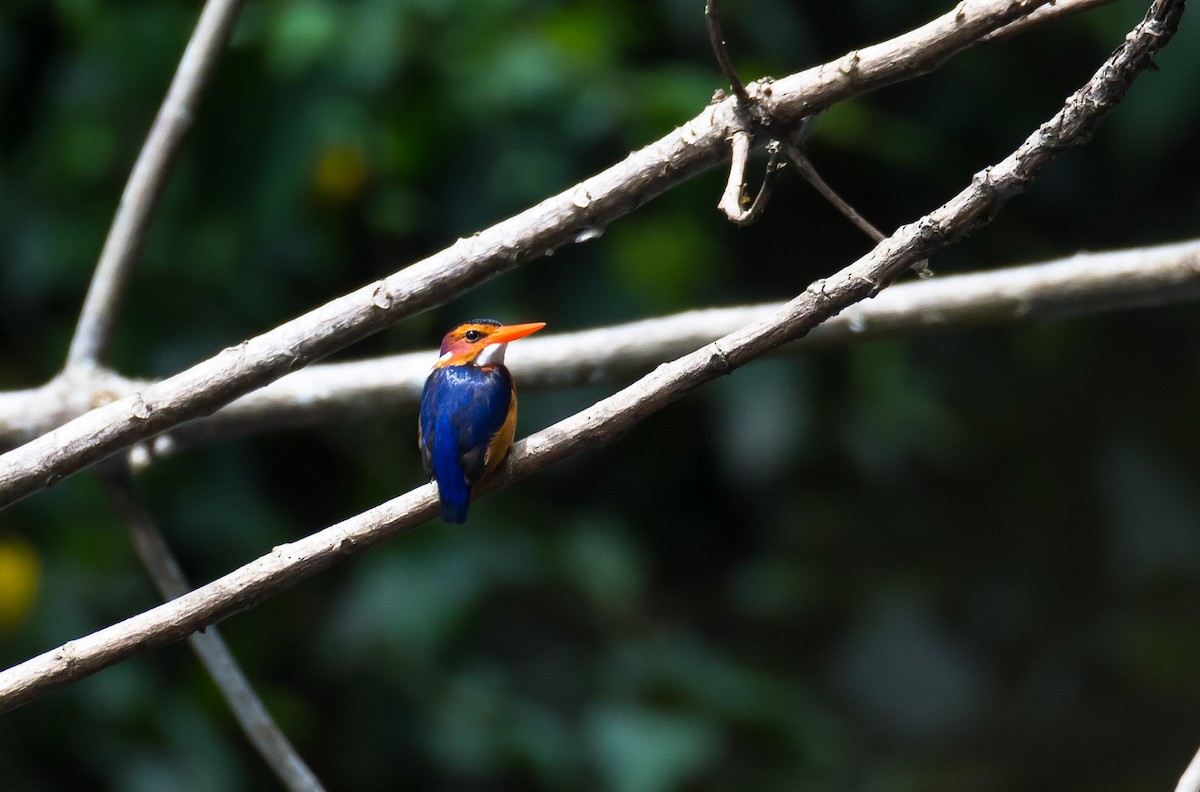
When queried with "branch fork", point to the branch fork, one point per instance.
{"points": [[734, 203], [752, 114]]}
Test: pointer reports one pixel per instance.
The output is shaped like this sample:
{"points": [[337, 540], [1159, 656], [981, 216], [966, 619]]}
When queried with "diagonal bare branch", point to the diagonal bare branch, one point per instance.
{"points": [[608, 419], [593, 203], [93, 333]]}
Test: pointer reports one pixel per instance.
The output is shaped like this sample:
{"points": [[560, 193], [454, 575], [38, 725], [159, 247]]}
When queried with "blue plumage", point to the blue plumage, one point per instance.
{"points": [[463, 409], [469, 410]]}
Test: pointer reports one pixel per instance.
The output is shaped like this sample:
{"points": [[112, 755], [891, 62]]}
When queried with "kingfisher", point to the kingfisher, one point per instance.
{"points": [[469, 410]]}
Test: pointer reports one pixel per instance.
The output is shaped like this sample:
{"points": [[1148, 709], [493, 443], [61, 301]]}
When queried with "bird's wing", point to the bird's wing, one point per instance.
{"points": [[487, 401], [426, 451], [462, 409]]}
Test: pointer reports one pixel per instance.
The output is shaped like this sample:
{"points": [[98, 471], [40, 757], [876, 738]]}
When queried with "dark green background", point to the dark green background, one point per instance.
{"points": [[968, 561]]}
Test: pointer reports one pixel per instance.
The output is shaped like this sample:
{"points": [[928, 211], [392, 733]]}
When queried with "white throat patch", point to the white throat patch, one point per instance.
{"points": [[492, 355]]}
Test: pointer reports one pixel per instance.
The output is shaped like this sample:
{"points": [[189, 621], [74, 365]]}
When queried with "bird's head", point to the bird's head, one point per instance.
{"points": [[481, 342]]}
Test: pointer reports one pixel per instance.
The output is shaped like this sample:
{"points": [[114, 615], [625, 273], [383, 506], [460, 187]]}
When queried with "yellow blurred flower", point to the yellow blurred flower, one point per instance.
{"points": [[340, 174], [20, 569]]}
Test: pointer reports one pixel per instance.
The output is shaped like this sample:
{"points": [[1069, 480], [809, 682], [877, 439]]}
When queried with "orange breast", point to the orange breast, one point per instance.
{"points": [[498, 448]]}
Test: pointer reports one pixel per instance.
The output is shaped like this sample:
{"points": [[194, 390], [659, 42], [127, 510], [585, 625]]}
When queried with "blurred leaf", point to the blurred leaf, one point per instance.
{"points": [[764, 419], [663, 259], [303, 33], [1153, 510], [896, 414], [907, 675], [408, 602], [643, 750], [605, 564]]}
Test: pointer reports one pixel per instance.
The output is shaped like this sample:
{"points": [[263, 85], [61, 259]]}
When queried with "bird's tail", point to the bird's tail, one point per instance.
{"points": [[454, 512]]}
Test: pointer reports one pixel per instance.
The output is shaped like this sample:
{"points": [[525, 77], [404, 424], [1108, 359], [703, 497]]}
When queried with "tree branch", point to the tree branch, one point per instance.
{"points": [[1086, 283], [93, 333], [248, 709], [1083, 284], [593, 203], [606, 420]]}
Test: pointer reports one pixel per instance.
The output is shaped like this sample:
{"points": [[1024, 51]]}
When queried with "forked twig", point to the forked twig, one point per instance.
{"points": [[733, 199]]}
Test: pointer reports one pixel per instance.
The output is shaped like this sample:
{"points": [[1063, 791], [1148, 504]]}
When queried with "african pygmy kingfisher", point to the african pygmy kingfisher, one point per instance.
{"points": [[469, 410]]}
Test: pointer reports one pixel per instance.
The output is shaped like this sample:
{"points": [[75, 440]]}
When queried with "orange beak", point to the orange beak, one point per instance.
{"points": [[506, 333]]}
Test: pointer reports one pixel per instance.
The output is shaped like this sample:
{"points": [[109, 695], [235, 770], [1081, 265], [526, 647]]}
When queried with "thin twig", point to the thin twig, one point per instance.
{"points": [[248, 709], [608, 419], [805, 167], [593, 203], [93, 333], [712, 18]]}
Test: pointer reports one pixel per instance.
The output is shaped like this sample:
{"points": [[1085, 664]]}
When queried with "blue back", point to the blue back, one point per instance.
{"points": [[462, 409]]}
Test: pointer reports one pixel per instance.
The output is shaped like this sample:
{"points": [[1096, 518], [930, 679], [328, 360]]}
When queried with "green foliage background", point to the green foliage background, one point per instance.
{"points": [[962, 561]]}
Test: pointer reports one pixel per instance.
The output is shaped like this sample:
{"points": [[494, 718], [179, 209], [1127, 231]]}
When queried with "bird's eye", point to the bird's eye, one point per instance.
{"points": [[473, 335]]}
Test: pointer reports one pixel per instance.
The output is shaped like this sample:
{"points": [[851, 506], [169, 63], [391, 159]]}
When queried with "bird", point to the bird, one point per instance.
{"points": [[468, 410]]}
